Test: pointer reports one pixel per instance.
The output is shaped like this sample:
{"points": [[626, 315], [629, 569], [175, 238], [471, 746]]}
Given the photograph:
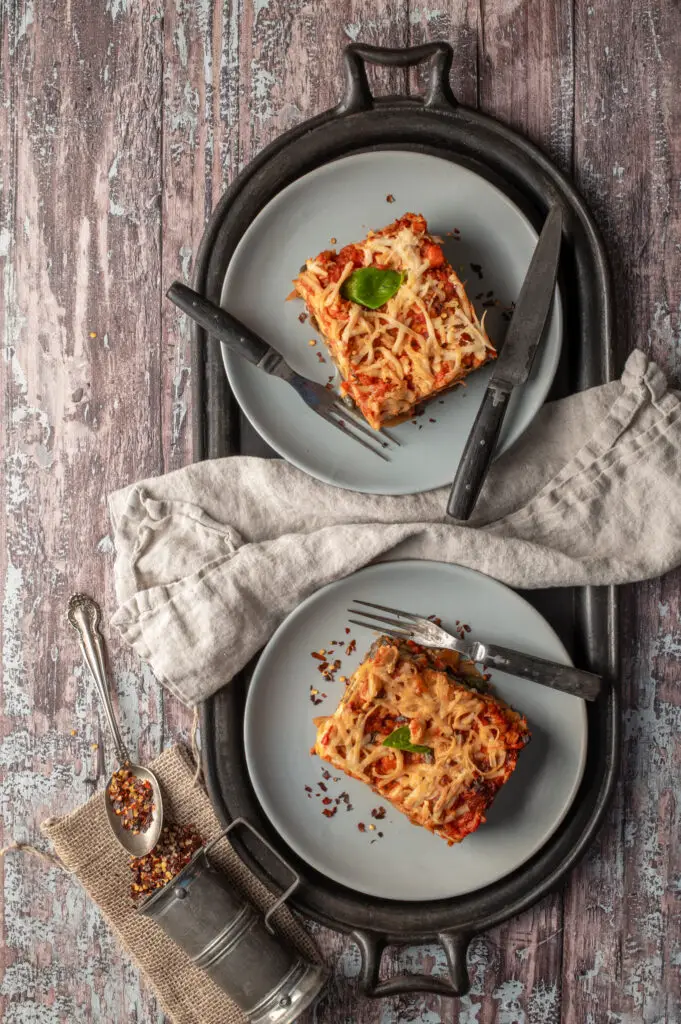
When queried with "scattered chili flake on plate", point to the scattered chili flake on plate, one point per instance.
{"points": [[302, 317], [175, 848], [329, 812], [361, 826], [132, 799], [347, 630], [390, 198], [378, 813]]}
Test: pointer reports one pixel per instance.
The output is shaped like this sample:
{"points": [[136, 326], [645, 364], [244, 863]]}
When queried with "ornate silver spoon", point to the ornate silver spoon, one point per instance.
{"points": [[84, 615]]}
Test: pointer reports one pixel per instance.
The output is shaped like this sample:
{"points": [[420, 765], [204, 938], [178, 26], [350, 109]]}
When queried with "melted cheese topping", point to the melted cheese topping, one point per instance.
{"points": [[422, 341], [474, 739]]}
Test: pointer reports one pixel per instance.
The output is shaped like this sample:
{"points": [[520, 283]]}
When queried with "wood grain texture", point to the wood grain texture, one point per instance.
{"points": [[120, 125]]}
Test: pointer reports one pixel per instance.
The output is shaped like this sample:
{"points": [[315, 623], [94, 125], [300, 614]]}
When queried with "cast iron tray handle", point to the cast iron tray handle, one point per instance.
{"points": [[371, 948], [358, 95]]}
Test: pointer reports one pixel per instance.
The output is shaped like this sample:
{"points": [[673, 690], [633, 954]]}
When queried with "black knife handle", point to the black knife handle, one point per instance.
{"points": [[219, 323], [477, 454]]}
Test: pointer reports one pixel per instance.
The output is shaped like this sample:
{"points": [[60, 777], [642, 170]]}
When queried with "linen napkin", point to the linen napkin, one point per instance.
{"points": [[86, 846], [212, 557]]}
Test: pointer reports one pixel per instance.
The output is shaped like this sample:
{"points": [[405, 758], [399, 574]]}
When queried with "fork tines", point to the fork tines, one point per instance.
{"points": [[349, 421], [403, 628]]}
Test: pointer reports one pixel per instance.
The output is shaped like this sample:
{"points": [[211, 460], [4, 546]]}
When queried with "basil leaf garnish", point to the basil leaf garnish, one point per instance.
{"points": [[372, 287], [399, 740]]}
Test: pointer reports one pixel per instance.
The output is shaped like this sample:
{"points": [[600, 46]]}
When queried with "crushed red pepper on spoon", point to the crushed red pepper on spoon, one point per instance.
{"points": [[132, 799]]}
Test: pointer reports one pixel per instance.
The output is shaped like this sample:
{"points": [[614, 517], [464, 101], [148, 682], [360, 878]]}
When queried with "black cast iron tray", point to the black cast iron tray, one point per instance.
{"points": [[585, 618]]}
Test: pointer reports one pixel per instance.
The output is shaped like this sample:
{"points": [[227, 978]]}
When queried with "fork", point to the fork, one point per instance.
{"points": [[246, 343], [427, 633]]}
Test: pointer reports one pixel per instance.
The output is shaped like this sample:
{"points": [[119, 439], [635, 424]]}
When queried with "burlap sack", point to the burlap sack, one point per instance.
{"points": [[84, 843]]}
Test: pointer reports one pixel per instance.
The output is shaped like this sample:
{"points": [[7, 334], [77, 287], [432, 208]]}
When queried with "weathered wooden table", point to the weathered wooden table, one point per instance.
{"points": [[121, 123]]}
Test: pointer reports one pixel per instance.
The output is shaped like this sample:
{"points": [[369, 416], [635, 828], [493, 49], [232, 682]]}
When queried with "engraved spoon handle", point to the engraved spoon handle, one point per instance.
{"points": [[84, 615]]}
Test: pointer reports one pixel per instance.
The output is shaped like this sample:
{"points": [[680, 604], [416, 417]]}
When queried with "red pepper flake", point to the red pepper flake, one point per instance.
{"points": [[308, 789], [351, 648], [326, 774], [323, 667], [319, 655], [175, 848], [431, 420], [390, 198], [302, 317], [329, 812], [467, 628], [347, 630], [132, 799], [327, 800], [323, 787], [361, 826], [379, 813], [320, 357]]}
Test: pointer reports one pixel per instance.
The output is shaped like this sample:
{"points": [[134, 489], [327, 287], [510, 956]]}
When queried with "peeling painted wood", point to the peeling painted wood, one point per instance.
{"points": [[120, 126]]}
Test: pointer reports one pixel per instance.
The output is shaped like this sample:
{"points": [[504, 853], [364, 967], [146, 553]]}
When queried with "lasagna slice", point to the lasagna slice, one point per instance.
{"points": [[423, 339], [414, 726]]}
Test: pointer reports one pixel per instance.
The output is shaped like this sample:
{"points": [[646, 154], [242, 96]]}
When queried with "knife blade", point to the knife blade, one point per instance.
{"points": [[512, 367]]}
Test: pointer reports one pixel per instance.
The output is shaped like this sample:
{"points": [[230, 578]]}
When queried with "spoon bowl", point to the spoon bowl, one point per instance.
{"points": [[141, 843], [84, 615]]}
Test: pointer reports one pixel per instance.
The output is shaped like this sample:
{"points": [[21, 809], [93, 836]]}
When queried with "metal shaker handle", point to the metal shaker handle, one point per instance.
{"points": [[296, 877]]}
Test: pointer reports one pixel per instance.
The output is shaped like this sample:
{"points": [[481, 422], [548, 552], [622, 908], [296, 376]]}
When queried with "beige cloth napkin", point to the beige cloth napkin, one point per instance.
{"points": [[212, 557], [84, 843]]}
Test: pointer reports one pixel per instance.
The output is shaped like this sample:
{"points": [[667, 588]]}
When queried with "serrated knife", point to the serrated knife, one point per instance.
{"points": [[512, 368]]}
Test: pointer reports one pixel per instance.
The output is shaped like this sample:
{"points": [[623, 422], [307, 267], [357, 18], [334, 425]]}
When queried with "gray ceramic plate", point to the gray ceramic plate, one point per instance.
{"points": [[407, 863], [342, 200]]}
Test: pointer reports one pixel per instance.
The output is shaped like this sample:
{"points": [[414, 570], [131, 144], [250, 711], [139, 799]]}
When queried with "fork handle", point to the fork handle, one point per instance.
{"points": [[565, 678], [219, 323]]}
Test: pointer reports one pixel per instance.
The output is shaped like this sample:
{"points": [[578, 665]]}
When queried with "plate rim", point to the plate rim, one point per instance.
{"points": [[228, 359], [285, 836]]}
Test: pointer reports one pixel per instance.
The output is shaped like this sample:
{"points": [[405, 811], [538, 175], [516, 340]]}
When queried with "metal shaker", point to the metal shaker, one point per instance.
{"points": [[225, 935]]}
